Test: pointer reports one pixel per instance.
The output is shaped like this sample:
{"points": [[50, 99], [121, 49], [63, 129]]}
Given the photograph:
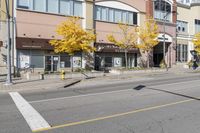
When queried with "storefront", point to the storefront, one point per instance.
{"points": [[38, 54], [109, 55]]}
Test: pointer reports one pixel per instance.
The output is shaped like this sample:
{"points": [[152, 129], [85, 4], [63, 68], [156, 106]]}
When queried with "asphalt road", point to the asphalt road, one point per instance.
{"points": [[155, 104]]}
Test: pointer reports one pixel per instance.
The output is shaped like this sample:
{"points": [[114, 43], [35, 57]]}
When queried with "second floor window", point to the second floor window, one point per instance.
{"points": [[115, 15], [65, 7], [162, 10], [197, 25], [182, 26]]}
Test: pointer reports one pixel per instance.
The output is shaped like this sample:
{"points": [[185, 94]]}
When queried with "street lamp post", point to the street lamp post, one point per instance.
{"points": [[9, 78]]}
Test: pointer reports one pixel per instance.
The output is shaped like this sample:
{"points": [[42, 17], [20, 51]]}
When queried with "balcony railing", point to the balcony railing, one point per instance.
{"points": [[160, 15]]}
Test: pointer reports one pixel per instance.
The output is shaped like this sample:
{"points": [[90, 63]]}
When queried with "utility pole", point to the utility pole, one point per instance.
{"points": [[164, 29], [9, 78]]}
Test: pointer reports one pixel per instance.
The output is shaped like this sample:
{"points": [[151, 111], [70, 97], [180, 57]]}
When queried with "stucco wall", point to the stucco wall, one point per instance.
{"points": [[37, 25]]}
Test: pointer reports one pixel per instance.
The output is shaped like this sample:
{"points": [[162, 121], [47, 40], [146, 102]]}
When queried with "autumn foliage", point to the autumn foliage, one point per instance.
{"points": [[74, 38], [147, 35], [128, 40], [196, 41]]}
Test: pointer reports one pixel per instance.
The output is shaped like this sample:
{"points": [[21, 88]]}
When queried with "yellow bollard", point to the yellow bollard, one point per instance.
{"points": [[62, 74]]}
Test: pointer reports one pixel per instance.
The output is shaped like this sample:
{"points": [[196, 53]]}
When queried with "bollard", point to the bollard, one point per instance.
{"points": [[41, 76], [28, 76]]}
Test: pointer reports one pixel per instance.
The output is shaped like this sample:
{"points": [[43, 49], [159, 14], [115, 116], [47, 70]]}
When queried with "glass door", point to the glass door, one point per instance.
{"points": [[51, 63]]}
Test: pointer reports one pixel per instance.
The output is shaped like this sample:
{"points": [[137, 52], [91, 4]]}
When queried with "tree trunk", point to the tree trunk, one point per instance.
{"points": [[126, 60], [147, 60]]}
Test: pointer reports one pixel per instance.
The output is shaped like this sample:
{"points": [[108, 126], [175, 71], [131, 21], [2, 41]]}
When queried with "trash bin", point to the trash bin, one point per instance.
{"points": [[106, 70], [41, 76]]}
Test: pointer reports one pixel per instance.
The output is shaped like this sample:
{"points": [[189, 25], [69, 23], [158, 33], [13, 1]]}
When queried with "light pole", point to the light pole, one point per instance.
{"points": [[9, 78]]}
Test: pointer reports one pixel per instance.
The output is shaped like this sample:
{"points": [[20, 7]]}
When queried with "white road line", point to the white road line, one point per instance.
{"points": [[102, 93], [32, 117]]}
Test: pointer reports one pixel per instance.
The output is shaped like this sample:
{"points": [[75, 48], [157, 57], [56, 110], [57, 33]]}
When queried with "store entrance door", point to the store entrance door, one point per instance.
{"points": [[51, 63]]}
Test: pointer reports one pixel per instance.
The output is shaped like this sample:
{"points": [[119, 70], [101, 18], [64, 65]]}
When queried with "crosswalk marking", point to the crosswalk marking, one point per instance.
{"points": [[32, 117]]}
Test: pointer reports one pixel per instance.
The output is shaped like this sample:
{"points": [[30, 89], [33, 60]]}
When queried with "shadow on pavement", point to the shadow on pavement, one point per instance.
{"points": [[140, 87]]}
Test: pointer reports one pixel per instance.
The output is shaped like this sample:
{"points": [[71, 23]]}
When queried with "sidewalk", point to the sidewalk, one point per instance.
{"points": [[23, 85], [54, 81]]}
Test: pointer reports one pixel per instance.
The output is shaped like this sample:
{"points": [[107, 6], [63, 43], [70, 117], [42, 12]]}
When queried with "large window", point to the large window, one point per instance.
{"points": [[52, 6], [40, 5], [182, 53], [115, 15], [65, 7], [23, 4], [197, 25], [182, 26], [162, 10]]}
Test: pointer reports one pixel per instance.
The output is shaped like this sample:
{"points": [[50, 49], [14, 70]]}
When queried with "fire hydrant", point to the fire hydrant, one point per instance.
{"points": [[62, 74]]}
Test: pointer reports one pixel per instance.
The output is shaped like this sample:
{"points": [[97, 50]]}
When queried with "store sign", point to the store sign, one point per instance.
{"points": [[117, 62], [76, 61], [166, 37]]}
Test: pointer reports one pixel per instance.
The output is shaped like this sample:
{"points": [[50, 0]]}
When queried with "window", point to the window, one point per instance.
{"points": [[162, 10], [40, 5], [52, 6], [65, 61], [104, 16], [124, 17], [182, 53], [197, 25], [111, 15], [98, 13], [37, 61], [65, 7], [23, 4], [130, 16], [115, 15], [78, 9], [182, 26], [118, 16]]}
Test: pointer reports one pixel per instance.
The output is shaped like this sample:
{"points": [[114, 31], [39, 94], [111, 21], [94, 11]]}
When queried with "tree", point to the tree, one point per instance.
{"points": [[74, 38], [147, 35], [196, 41], [128, 41]]}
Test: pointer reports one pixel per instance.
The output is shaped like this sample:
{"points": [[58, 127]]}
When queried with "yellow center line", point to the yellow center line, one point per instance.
{"points": [[112, 116]]}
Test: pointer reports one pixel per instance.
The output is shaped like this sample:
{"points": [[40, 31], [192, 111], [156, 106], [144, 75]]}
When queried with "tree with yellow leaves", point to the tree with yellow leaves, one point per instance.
{"points": [[128, 41], [196, 41], [74, 38], [147, 35]]}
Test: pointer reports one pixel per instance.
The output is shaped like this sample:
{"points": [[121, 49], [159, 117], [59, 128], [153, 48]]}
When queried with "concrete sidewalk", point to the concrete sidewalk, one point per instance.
{"points": [[31, 85]]}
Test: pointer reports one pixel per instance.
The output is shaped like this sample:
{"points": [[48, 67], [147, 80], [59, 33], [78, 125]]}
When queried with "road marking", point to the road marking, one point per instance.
{"points": [[32, 117], [113, 116], [101, 93]]}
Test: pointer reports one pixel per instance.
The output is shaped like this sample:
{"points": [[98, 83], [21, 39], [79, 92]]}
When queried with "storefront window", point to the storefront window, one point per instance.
{"points": [[182, 53], [108, 61], [37, 61], [65, 61]]}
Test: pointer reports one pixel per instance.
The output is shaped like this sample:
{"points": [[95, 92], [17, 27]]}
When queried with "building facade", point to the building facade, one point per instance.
{"points": [[36, 21], [107, 16], [3, 35], [188, 24], [164, 12]]}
